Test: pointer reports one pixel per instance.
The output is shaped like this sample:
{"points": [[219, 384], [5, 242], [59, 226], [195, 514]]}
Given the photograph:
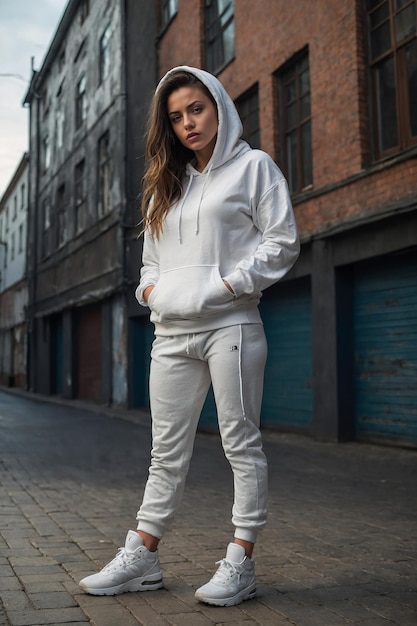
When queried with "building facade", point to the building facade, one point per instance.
{"points": [[87, 106], [13, 286], [331, 95]]}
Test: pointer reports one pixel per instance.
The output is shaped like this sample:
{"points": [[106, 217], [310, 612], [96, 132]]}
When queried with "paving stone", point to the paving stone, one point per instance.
{"points": [[47, 616], [51, 599]]}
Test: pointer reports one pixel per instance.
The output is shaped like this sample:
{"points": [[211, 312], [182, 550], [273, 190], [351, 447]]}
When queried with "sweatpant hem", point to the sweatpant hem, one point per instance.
{"points": [[151, 529], [246, 534]]}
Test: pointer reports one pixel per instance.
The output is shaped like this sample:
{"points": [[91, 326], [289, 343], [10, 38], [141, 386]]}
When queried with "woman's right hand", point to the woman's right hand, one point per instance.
{"points": [[147, 292]]}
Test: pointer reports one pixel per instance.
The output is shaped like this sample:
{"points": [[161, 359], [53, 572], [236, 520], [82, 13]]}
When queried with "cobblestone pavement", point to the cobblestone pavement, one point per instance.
{"points": [[340, 546]]}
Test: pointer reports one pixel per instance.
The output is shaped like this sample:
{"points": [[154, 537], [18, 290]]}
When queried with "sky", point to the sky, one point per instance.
{"points": [[26, 30]]}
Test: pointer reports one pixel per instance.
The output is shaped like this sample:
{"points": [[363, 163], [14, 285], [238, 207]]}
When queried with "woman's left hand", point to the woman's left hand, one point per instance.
{"points": [[229, 287]]}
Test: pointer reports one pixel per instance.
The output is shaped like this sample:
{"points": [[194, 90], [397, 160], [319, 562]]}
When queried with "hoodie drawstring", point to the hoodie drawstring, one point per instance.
{"points": [[181, 205], [197, 219], [187, 190]]}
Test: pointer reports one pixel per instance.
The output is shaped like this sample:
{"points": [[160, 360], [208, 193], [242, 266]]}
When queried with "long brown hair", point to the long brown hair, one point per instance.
{"points": [[166, 157]]}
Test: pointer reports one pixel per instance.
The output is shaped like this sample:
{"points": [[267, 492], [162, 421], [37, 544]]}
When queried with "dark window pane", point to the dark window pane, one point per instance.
{"points": [[304, 83], [380, 40], [305, 107], [291, 116], [307, 173], [386, 105], [248, 108], [292, 160], [229, 42], [378, 16], [400, 3], [405, 23], [371, 4], [411, 62], [290, 92]]}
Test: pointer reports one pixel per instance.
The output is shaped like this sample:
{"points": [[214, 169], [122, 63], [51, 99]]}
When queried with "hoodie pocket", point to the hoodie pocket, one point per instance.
{"points": [[189, 293]]}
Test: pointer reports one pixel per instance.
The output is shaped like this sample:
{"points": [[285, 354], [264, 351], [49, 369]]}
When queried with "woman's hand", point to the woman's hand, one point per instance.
{"points": [[147, 292], [229, 287]]}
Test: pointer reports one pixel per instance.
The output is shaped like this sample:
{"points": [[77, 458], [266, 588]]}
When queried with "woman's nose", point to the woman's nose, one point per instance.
{"points": [[188, 122]]}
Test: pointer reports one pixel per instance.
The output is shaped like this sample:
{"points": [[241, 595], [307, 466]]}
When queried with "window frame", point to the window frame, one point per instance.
{"points": [[212, 42], [104, 54], [81, 101], [61, 216], [245, 109], [303, 179], [80, 201], [169, 9], [103, 175], [397, 52]]}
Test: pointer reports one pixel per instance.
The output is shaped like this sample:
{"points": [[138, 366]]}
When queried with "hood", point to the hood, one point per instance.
{"points": [[228, 142]]}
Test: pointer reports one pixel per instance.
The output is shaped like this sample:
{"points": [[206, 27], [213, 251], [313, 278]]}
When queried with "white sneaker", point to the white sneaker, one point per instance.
{"points": [[233, 582], [134, 568]]}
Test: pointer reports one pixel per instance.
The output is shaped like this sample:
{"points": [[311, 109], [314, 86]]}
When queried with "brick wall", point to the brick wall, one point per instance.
{"points": [[268, 34]]}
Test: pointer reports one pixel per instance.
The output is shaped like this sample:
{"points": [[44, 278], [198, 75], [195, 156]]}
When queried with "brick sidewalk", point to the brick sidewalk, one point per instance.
{"points": [[340, 546]]}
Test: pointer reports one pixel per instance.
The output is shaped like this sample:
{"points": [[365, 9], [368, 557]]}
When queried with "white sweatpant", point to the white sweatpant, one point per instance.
{"points": [[233, 359]]}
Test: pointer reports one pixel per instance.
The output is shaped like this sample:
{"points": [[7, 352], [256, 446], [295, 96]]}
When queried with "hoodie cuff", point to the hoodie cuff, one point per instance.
{"points": [[139, 293]]}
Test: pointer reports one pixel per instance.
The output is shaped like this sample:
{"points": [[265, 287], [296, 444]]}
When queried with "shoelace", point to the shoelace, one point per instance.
{"points": [[122, 558], [226, 571]]}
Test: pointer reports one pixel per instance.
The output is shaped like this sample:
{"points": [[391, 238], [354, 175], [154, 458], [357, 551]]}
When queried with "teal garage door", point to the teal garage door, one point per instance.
{"points": [[288, 398], [385, 331], [288, 395]]}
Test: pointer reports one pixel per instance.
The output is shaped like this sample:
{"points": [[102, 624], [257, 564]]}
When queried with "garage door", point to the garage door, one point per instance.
{"points": [[288, 396], [385, 327], [89, 352]]}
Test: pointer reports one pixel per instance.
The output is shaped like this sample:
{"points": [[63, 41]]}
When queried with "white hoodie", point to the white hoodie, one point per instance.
{"points": [[233, 222]]}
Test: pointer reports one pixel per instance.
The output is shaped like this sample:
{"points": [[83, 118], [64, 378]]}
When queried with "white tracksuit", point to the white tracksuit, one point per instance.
{"points": [[233, 222]]}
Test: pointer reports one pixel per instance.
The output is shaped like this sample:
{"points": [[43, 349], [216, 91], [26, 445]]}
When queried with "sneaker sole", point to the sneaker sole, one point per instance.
{"points": [[246, 594], [136, 584]]}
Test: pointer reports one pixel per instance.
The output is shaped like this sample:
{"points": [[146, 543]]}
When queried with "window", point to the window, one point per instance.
{"points": [[248, 108], [295, 126], [62, 215], [15, 207], [79, 196], [20, 238], [393, 65], [169, 8], [7, 219], [59, 126], [104, 54], [103, 175], [46, 234], [12, 247], [22, 196], [220, 33], [80, 102], [46, 153]]}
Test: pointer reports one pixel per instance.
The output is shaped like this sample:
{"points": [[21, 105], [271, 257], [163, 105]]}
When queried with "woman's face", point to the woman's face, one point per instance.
{"points": [[193, 118]]}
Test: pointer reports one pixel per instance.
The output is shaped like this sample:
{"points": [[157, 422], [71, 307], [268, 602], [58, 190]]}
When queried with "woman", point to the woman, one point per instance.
{"points": [[219, 229]]}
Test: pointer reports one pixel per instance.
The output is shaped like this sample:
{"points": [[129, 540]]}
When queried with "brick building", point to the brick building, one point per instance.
{"points": [[329, 89]]}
